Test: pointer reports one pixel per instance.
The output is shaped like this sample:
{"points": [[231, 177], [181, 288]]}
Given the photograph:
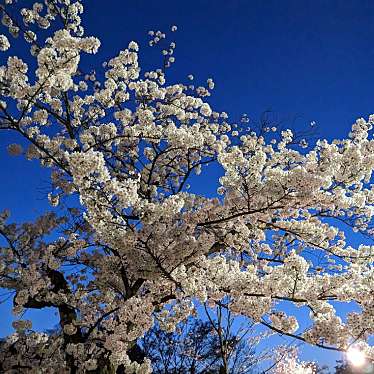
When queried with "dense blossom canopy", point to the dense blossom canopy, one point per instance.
{"points": [[139, 246]]}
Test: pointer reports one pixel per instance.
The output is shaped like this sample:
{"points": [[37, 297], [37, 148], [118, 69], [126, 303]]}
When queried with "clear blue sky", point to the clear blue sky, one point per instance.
{"points": [[309, 60]]}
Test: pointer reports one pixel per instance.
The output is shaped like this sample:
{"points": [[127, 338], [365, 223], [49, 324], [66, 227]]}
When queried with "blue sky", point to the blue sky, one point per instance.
{"points": [[304, 60]]}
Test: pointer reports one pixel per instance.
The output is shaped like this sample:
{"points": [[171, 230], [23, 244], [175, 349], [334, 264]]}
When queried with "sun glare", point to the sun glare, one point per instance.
{"points": [[356, 357]]}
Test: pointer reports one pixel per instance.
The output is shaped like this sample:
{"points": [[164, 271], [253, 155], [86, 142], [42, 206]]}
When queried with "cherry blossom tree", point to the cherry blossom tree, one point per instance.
{"points": [[130, 242]]}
